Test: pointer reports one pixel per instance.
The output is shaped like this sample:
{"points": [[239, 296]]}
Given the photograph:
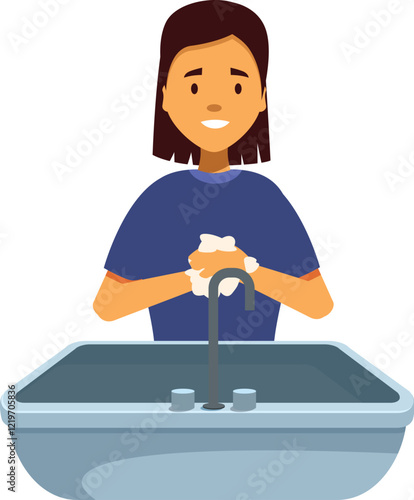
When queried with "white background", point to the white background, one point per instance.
{"points": [[348, 123]]}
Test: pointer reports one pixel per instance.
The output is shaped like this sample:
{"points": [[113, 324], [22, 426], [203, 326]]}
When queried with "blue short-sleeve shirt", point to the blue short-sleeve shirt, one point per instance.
{"points": [[163, 228]]}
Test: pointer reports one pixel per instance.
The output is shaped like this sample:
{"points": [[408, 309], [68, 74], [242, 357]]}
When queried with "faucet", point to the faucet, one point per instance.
{"points": [[213, 293]]}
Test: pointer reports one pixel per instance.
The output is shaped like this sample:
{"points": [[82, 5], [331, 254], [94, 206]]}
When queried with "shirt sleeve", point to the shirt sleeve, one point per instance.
{"points": [[142, 247], [289, 249], [136, 248], [124, 256]]}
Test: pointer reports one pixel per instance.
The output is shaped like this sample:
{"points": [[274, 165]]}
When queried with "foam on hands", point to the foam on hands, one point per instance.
{"points": [[211, 243]]}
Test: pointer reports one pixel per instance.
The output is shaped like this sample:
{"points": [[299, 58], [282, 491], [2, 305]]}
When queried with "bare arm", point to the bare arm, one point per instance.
{"points": [[307, 294], [119, 297]]}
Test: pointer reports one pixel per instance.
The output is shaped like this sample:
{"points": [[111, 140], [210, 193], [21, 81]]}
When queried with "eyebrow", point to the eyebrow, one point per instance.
{"points": [[238, 72], [198, 71]]}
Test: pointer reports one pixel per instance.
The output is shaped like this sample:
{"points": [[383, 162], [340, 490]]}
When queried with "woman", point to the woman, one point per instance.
{"points": [[211, 105]]}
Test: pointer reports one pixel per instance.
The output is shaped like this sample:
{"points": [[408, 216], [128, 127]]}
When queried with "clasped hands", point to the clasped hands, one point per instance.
{"points": [[211, 262], [214, 254]]}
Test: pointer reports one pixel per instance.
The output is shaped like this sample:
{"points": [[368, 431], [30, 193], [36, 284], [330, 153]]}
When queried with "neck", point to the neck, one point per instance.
{"points": [[214, 162]]}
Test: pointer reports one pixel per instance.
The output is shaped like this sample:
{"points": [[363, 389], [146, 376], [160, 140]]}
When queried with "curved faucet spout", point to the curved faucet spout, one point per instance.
{"points": [[232, 272], [213, 293]]}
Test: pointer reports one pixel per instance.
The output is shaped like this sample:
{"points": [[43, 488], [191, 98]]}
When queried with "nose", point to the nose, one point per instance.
{"points": [[214, 107]]}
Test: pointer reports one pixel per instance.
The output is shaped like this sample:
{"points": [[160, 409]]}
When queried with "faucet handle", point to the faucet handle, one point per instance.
{"points": [[244, 400], [182, 399]]}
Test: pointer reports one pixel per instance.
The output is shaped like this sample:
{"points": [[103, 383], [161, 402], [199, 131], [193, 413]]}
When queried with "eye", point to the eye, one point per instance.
{"points": [[238, 88], [194, 88]]}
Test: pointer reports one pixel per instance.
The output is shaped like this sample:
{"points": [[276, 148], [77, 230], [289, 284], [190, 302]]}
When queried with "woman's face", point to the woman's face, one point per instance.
{"points": [[213, 93]]}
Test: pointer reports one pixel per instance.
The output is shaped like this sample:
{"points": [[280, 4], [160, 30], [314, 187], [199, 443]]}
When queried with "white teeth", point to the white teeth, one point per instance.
{"points": [[215, 123]]}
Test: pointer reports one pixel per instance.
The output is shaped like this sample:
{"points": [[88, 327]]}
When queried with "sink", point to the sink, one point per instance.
{"points": [[94, 422]]}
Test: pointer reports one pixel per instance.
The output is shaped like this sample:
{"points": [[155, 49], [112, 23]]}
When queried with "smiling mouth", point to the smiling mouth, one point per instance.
{"points": [[215, 123]]}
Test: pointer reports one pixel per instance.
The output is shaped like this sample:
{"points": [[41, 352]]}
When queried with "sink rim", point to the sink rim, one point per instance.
{"points": [[266, 415]]}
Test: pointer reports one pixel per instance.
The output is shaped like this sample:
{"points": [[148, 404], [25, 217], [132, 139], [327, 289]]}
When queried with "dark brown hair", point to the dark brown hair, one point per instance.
{"points": [[204, 22]]}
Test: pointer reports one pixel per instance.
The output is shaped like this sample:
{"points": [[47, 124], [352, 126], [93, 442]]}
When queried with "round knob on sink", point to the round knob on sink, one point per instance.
{"points": [[244, 399], [182, 399]]}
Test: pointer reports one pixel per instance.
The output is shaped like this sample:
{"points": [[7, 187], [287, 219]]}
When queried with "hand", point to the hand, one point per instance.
{"points": [[212, 262]]}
